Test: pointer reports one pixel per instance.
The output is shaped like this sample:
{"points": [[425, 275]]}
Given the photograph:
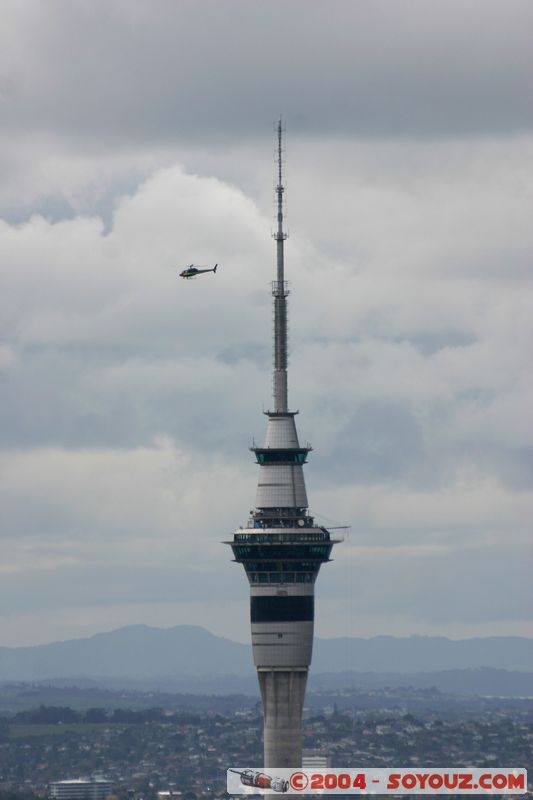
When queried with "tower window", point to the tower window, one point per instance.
{"points": [[274, 456]]}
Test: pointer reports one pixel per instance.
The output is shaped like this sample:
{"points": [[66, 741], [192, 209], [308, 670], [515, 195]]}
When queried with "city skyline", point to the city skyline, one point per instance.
{"points": [[135, 142]]}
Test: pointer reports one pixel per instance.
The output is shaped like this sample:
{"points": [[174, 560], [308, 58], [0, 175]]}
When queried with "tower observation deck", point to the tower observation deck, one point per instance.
{"points": [[281, 547]]}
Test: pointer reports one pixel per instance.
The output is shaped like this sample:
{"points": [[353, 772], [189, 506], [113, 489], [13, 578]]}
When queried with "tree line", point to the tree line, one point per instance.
{"points": [[64, 715]]}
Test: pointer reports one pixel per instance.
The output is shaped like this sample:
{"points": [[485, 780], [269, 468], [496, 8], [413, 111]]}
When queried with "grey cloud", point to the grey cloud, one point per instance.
{"points": [[79, 586], [67, 400], [376, 441], [224, 69], [474, 585]]}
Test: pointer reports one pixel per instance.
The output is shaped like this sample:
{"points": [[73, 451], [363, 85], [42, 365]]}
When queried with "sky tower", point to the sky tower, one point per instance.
{"points": [[281, 547]]}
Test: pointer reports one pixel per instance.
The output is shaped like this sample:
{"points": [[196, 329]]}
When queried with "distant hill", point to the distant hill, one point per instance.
{"points": [[136, 651], [422, 654], [186, 653]]}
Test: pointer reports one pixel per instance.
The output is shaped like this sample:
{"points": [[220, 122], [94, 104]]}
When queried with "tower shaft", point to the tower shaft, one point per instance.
{"points": [[282, 693]]}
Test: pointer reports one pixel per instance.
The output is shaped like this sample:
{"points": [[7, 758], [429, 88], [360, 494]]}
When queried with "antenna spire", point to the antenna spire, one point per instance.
{"points": [[279, 293]]}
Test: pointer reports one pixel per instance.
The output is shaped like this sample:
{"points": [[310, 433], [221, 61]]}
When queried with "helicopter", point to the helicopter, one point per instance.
{"points": [[192, 271]]}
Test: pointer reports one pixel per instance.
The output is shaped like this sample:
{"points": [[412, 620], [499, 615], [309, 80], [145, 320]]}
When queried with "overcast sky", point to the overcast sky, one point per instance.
{"points": [[137, 137]]}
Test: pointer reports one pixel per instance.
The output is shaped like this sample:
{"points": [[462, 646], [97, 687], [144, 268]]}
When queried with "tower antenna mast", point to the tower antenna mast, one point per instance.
{"points": [[280, 293]]}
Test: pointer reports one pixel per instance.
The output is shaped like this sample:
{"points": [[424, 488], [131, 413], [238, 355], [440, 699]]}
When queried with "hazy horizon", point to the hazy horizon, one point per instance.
{"points": [[245, 639]]}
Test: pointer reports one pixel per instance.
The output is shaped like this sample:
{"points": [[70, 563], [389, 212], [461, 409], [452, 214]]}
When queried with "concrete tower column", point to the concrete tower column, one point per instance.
{"points": [[282, 692]]}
